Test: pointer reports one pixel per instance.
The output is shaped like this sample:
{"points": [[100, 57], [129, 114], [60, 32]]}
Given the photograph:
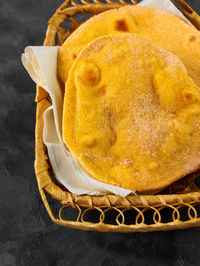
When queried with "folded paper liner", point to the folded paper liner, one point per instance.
{"points": [[41, 64]]}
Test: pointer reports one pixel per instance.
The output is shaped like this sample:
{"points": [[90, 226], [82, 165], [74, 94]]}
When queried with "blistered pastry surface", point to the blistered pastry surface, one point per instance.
{"points": [[162, 28], [131, 114]]}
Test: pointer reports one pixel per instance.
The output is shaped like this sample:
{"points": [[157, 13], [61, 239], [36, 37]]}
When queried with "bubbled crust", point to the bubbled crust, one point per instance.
{"points": [[164, 29], [131, 114]]}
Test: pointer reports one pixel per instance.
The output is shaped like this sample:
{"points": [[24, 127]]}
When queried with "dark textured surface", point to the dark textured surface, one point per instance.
{"points": [[27, 236]]}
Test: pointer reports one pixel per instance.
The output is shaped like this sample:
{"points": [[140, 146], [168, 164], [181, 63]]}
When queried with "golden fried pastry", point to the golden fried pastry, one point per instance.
{"points": [[164, 29], [132, 114]]}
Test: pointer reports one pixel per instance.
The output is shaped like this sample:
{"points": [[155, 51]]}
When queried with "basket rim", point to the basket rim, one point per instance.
{"points": [[42, 163]]}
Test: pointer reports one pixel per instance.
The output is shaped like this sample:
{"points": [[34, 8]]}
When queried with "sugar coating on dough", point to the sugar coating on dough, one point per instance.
{"points": [[131, 114], [158, 26]]}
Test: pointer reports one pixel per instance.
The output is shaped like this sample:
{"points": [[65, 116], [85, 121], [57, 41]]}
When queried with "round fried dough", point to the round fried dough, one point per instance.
{"points": [[164, 29], [132, 114]]}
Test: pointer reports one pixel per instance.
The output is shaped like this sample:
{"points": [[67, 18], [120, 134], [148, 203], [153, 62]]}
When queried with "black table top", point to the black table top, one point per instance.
{"points": [[27, 235]]}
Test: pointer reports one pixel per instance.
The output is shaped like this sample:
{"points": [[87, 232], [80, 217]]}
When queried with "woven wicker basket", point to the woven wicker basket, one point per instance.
{"points": [[176, 207]]}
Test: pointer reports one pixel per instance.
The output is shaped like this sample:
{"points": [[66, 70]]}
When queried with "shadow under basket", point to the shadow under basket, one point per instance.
{"points": [[178, 206]]}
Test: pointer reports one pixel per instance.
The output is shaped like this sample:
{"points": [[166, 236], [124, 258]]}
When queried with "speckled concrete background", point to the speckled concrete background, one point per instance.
{"points": [[27, 236]]}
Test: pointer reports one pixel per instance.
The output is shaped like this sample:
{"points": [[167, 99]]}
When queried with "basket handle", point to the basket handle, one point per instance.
{"points": [[189, 13]]}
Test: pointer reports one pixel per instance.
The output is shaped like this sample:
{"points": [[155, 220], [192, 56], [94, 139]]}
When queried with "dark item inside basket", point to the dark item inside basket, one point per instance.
{"points": [[177, 206]]}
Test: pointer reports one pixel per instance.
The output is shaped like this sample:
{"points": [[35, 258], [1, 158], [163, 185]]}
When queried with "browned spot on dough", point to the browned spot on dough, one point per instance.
{"points": [[115, 157], [91, 77], [193, 38], [91, 143], [121, 25], [74, 56], [112, 137], [102, 90], [188, 96], [94, 142], [89, 73]]}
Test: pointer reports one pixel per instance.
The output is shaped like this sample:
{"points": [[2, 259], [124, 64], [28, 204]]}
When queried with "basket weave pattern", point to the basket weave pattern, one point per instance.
{"points": [[176, 207]]}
